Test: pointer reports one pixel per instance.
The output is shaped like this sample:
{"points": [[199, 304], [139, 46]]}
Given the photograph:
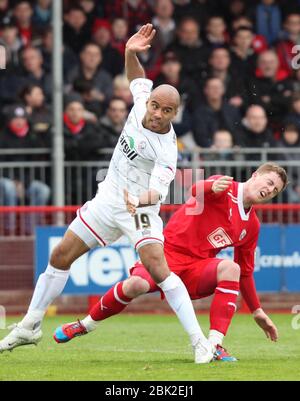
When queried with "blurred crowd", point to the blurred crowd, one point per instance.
{"points": [[234, 63]]}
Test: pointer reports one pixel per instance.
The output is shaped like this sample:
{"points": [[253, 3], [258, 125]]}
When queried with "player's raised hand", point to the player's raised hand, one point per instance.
{"points": [[265, 323], [141, 41], [222, 184]]}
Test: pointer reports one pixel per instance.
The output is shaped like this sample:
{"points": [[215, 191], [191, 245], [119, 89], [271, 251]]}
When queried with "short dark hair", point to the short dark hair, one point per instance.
{"points": [[291, 128], [26, 90], [243, 29]]}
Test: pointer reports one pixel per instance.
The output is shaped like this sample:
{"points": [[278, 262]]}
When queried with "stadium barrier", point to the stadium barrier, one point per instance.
{"points": [[81, 177], [24, 257]]}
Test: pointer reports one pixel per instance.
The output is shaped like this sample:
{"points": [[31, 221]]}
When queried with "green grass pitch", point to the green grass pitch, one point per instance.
{"points": [[154, 347]]}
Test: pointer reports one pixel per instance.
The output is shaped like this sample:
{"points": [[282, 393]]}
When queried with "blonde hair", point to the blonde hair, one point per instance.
{"points": [[273, 167]]}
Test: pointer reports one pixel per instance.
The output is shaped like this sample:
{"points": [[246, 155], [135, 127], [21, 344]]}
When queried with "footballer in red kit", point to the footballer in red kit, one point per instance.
{"points": [[218, 215]]}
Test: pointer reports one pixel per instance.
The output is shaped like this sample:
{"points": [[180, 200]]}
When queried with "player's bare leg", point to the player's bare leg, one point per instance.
{"points": [[153, 258], [49, 286], [223, 306]]}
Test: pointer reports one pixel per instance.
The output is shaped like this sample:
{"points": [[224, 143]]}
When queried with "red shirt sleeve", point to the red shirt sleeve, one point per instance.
{"points": [[244, 256], [205, 186]]}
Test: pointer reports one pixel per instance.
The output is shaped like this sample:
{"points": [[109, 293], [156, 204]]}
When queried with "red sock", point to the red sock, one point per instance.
{"points": [[112, 303], [223, 306]]}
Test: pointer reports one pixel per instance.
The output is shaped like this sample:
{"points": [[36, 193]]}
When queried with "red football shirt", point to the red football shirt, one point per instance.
{"points": [[209, 223]]}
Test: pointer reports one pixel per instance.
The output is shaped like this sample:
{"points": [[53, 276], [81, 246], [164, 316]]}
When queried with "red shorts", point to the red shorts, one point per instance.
{"points": [[198, 275]]}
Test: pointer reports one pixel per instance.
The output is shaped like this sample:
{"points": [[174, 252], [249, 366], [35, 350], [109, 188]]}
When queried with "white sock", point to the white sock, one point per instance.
{"points": [[180, 301], [215, 337], [89, 324], [50, 285]]}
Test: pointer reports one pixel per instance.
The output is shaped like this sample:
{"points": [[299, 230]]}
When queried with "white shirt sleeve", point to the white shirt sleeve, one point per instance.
{"points": [[161, 178], [141, 90]]}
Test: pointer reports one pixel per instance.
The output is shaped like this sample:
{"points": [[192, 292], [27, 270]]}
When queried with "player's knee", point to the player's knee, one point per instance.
{"points": [[135, 286], [229, 270], [59, 258], [153, 260]]}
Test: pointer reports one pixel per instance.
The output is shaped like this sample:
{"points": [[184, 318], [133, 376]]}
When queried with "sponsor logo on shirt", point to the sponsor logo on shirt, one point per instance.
{"points": [[219, 238], [128, 148]]}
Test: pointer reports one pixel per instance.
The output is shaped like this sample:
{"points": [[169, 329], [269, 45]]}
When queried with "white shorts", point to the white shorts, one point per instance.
{"points": [[98, 223]]}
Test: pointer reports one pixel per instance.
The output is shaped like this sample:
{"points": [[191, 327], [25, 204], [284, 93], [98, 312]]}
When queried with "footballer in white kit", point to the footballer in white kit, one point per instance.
{"points": [[142, 160], [128, 202]]}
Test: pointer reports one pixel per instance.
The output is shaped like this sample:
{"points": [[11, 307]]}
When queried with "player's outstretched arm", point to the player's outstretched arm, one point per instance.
{"points": [[139, 42], [266, 324]]}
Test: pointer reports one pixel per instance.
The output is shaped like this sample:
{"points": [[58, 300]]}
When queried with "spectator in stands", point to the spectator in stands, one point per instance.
{"points": [[34, 72], [219, 67], [119, 34], [294, 116], [259, 43], [121, 90], [136, 12], [90, 10], [190, 49], [39, 114], [94, 109], [255, 132], [214, 114], [81, 137], [22, 14], [112, 124], [222, 145], [291, 37], [18, 135], [222, 141], [199, 9], [171, 74], [10, 39], [77, 32], [70, 59], [164, 23], [90, 69], [270, 88], [242, 54], [235, 9], [42, 13], [151, 61], [296, 81], [4, 10], [290, 140], [112, 61], [268, 20], [82, 142], [216, 35]]}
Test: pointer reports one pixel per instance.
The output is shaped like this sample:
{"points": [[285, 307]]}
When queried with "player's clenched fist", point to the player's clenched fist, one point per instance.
{"points": [[222, 184]]}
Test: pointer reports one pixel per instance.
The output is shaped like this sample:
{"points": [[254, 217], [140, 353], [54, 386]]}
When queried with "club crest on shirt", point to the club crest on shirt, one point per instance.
{"points": [[142, 146], [219, 238], [243, 235]]}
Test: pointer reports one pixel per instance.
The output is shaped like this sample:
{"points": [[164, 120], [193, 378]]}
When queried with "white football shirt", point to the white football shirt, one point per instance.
{"points": [[142, 159]]}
